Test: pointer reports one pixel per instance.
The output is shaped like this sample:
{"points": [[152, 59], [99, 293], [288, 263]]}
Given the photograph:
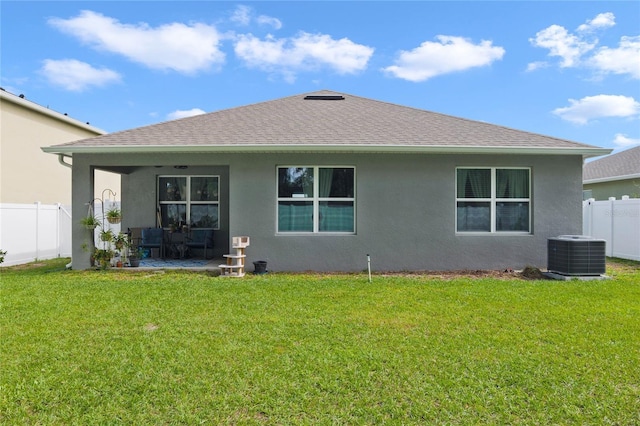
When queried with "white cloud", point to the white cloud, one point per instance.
{"points": [[77, 76], [560, 43], [599, 106], [623, 141], [581, 49], [303, 52], [184, 113], [243, 15], [268, 20], [448, 54], [602, 20], [533, 66], [179, 47], [623, 60]]}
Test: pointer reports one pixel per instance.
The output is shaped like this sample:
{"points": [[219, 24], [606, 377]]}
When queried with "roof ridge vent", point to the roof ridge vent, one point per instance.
{"points": [[324, 98]]}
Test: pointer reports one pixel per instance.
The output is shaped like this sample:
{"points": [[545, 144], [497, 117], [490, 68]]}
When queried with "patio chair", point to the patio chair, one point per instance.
{"points": [[153, 238], [200, 238]]}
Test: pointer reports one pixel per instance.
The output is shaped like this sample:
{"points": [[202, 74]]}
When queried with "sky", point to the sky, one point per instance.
{"points": [[567, 69]]}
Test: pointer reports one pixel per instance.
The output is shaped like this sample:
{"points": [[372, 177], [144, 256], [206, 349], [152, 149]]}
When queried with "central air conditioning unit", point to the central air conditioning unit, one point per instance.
{"points": [[576, 255]]}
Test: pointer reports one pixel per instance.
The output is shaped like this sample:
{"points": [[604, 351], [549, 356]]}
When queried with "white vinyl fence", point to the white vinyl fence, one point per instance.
{"points": [[617, 222], [30, 232], [34, 231]]}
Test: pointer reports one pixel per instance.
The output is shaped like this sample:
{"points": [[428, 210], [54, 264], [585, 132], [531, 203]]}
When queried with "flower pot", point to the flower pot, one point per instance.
{"points": [[260, 267], [114, 220], [134, 262]]}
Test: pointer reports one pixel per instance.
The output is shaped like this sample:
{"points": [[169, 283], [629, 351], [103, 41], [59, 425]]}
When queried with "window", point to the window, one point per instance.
{"points": [[493, 200], [189, 200], [316, 199]]}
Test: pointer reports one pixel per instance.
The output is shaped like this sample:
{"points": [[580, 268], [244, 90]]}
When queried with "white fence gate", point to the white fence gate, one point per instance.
{"points": [[34, 231], [617, 222]]}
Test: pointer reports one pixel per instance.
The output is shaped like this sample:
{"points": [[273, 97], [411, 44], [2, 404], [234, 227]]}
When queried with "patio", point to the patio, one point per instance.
{"points": [[188, 263]]}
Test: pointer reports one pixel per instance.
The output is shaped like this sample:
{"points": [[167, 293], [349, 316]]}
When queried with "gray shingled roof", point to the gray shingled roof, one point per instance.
{"points": [[354, 123], [614, 167]]}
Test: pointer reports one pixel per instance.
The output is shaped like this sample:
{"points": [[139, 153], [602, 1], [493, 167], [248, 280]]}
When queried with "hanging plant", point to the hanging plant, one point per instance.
{"points": [[121, 241], [114, 215], [106, 235], [90, 222]]}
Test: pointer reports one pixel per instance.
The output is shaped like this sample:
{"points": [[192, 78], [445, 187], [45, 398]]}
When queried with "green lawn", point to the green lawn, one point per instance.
{"points": [[109, 347]]}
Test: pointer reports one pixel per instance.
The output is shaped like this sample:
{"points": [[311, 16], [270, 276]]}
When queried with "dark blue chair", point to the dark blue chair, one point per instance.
{"points": [[153, 238], [200, 238]]}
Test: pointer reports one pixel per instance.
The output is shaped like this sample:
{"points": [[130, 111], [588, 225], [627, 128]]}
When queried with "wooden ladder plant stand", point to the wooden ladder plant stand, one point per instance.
{"points": [[235, 261]]}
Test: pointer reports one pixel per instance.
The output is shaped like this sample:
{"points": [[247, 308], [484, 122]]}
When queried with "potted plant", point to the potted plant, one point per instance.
{"points": [[114, 215], [135, 255], [90, 222], [103, 257], [106, 235], [121, 244], [121, 241]]}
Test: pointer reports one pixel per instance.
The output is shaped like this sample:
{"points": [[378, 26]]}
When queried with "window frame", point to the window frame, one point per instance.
{"points": [[315, 199], [493, 201], [188, 203]]}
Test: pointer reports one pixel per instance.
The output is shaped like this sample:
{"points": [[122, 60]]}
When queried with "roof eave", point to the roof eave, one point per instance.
{"points": [[586, 152], [17, 100], [612, 178]]}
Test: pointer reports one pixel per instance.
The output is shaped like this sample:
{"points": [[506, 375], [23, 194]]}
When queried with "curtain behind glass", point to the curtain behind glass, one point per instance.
{"points": [[336, 216], [512, 183], [326, 180], [336, 182], [295, 216], [473, 216], [474, 183]]}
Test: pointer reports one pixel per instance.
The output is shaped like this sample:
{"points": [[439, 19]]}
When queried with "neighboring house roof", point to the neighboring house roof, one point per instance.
{"points": [[329, 122], [25, 103], [619, 166]]}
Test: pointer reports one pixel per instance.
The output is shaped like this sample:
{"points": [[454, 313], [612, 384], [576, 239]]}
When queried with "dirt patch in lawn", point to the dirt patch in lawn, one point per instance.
{"points": [[528, 273]]}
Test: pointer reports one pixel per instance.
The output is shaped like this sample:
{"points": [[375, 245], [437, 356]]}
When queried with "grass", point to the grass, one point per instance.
{"points": [[183, 348]]}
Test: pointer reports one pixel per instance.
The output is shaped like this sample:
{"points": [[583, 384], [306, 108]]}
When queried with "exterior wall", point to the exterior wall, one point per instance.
{"points": [[604, 190], [405, 209], [405, 214], [27, 174]]}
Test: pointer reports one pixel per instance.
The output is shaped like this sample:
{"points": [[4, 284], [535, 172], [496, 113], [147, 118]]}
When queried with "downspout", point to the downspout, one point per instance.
{"points": [[61, 160]]}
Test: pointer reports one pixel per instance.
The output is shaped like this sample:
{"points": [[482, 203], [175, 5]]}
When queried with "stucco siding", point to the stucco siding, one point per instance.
{"points": [[405, 214], [27, 174], [405, 209]]}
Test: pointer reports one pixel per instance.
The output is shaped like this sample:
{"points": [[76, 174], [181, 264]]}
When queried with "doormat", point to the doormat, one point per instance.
{"points": [[173, 263]]}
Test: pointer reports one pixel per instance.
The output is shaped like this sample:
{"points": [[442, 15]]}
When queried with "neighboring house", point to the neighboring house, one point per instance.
{"points": [[613, 176], [27, 174], [319, 181]]}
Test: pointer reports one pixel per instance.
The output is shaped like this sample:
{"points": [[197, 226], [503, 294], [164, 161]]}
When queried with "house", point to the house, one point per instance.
{"points": [[321, 180], [27, 174], [613, 176]]}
